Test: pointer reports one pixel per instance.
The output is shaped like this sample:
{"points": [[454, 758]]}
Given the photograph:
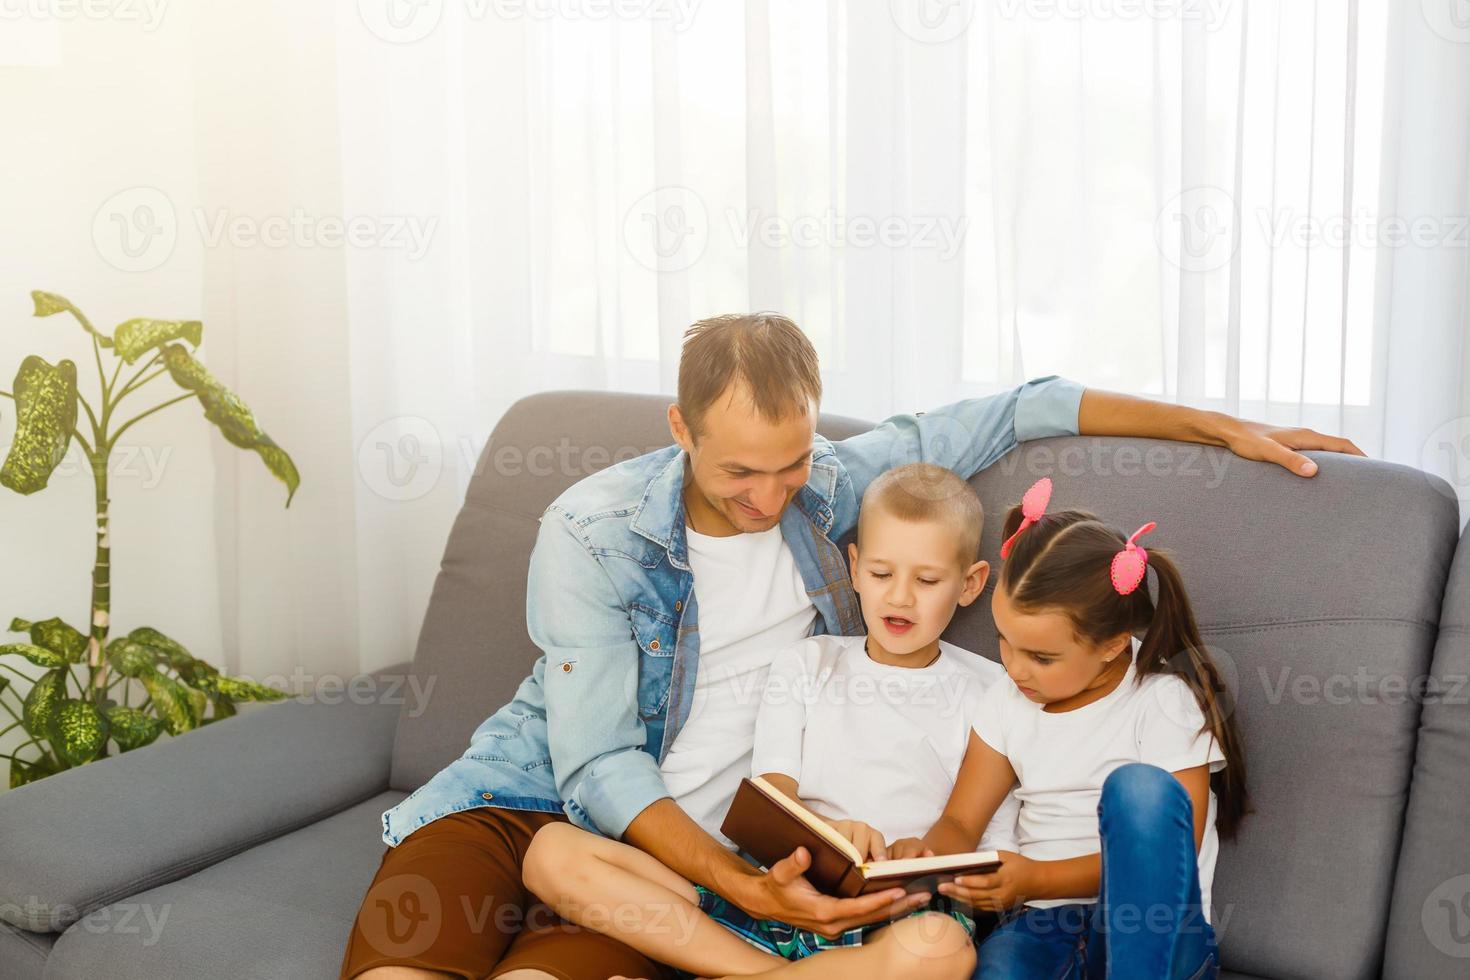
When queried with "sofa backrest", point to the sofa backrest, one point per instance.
{"points": [[1321, 598], [1429, 929]]}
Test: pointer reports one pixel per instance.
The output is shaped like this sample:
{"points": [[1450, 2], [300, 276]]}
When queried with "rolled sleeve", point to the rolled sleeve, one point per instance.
{"points": [[594, 733], [1047, 407]]}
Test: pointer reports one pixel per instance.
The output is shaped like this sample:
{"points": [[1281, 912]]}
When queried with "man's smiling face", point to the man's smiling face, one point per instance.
{"points": [[744, 468]]}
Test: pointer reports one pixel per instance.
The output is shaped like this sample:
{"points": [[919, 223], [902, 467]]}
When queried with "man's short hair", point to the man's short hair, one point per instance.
{"points": [[766, 352], [926, 492]]}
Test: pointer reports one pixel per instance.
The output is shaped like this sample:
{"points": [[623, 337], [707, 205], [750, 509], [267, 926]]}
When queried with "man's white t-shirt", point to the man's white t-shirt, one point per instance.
{"points": [[752, 604], [873, 742], [1062, 759]]}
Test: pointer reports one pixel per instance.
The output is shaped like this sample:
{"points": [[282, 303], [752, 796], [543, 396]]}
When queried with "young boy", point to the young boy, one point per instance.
{"points": [[868, 731]]}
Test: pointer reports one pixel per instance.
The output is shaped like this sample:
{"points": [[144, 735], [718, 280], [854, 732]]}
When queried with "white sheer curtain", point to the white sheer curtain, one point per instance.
{"points": [[949, 196]]}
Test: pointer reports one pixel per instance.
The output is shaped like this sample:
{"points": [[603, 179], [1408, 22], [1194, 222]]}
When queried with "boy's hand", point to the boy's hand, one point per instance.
{"points": [[869, 842], [908, 847], [1009, 885]]}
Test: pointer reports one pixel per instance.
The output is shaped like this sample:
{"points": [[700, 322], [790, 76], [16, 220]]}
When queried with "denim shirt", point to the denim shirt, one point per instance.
{"points": [[610, 602]]}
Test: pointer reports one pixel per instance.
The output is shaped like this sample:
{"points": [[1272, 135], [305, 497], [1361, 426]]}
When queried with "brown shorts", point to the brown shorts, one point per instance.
{"points": [[450, 898]]}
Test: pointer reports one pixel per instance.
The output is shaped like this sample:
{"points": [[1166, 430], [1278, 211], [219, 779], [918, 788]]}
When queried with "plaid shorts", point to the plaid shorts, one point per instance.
{"points": [[791, 943]]}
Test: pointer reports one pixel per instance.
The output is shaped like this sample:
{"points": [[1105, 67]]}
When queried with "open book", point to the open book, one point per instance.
{"points": [[769, 825]]}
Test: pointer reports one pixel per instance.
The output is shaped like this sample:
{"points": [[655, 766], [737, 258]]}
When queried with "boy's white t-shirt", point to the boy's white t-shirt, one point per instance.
{"points": [[1062, 759], [752, 604], [872, 742]]}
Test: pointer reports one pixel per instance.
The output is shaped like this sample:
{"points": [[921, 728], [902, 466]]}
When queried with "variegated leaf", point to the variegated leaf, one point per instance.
{"points": [[131, 728], [170, 651], [172, 703], [230, 414], [78, 731], [39, 656], [59, 637], [130, 658], [238, 689], [41, 702], [45, 415], [138, 336], [48, 304]]}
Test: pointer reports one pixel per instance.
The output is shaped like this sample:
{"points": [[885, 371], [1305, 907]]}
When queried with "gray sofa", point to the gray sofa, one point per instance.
{"points": [[244, 849]]}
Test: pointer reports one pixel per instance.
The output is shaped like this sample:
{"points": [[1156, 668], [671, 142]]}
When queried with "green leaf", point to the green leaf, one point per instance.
{"points": [[131, 728], [229, 413], [172, 703], [141, 335], [39, 656], [40, 703], [238, 689], [169, 651], [4, 683], [59, 637], [78, 731], [223, 708], [131, 658], [48, 304], [45, 415], [28, 772]]}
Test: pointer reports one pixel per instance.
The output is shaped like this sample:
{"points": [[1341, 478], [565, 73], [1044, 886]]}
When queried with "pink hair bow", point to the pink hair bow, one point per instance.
{"points": [[1130, 564], [1033, 505]]}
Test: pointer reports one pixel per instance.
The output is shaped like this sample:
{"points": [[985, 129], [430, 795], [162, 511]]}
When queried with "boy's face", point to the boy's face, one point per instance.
{"points": [[909, 581], [745, 469]]}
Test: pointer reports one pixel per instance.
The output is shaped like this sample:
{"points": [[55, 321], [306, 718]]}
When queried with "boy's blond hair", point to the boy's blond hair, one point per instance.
{"points": [[926, 492]]}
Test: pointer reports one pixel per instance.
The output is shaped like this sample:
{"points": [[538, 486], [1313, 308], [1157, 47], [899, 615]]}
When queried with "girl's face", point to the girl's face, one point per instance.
{"points": [[1046, 659]]}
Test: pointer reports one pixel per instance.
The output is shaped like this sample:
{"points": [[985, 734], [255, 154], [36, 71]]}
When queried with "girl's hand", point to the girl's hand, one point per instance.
{"points": [[908, 847], [868, 841], [1009, 885]]}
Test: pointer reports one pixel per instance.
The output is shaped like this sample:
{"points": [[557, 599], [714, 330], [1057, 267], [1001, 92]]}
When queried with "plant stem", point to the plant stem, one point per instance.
{"points": [[9, 727], [10, 710], [17, 673], [101, 575], [138, 418]]}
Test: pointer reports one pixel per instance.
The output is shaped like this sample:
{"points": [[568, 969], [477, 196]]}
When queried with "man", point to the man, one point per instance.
{"points": [[659, 589]]}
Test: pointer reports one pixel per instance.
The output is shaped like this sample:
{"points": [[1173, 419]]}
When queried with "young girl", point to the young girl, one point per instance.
{"points": [[1115, 743]]}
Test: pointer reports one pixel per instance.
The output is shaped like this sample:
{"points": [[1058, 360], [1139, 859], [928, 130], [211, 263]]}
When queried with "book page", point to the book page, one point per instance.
{"points": [[816, 823], [922, 865]]}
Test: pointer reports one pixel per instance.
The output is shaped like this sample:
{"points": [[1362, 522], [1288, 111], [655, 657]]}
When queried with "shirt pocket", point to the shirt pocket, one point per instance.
{"points": [[655, 635]]}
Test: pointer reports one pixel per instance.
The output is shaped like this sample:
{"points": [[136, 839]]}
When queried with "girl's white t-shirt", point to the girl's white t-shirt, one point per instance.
{"points": [[873, 742], [1061, 760]]}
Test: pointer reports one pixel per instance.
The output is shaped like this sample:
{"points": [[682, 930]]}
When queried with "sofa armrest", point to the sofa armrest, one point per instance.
{"points": [[86, 837]]}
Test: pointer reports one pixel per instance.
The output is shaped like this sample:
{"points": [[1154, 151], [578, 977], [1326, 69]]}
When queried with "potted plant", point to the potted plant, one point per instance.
{"points": [[74, 711]]}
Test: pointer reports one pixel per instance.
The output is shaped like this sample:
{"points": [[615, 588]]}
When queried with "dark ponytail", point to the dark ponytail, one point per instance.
{"points": [[1062, 562]]}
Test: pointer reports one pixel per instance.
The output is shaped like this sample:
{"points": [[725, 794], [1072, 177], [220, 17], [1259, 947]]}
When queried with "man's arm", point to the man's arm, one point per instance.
{"points": [[1104, 413]]}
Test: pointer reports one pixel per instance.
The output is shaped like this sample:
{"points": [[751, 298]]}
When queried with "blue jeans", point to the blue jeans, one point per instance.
{"points": [[1147, 923]]}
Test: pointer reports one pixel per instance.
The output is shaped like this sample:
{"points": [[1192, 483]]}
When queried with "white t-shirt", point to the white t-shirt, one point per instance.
{"points": [[1061, 760], [752, 604], [872, 742]]}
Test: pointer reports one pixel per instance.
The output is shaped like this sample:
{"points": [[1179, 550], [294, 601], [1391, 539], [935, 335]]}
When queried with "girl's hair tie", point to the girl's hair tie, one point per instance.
{"points": [[1033, 505], [1130, 564]]}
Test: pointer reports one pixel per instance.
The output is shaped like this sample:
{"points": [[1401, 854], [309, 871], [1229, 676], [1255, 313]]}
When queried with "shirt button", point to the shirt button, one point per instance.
{"points": [[487, 796], [678, 604], [566, 668], [653, 645]]}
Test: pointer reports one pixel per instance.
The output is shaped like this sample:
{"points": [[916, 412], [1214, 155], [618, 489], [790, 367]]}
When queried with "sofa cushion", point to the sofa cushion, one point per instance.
{"points": [[1429, 931], [23, 953], [280, 911]]}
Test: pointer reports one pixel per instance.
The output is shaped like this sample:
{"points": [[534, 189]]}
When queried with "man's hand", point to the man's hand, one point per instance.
{"points": [[867, 840], [783, 894], [1275, 444], [1010, 884]]}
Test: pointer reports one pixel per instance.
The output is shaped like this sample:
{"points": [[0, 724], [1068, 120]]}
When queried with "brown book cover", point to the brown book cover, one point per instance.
{"points": [[769, 825]]}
